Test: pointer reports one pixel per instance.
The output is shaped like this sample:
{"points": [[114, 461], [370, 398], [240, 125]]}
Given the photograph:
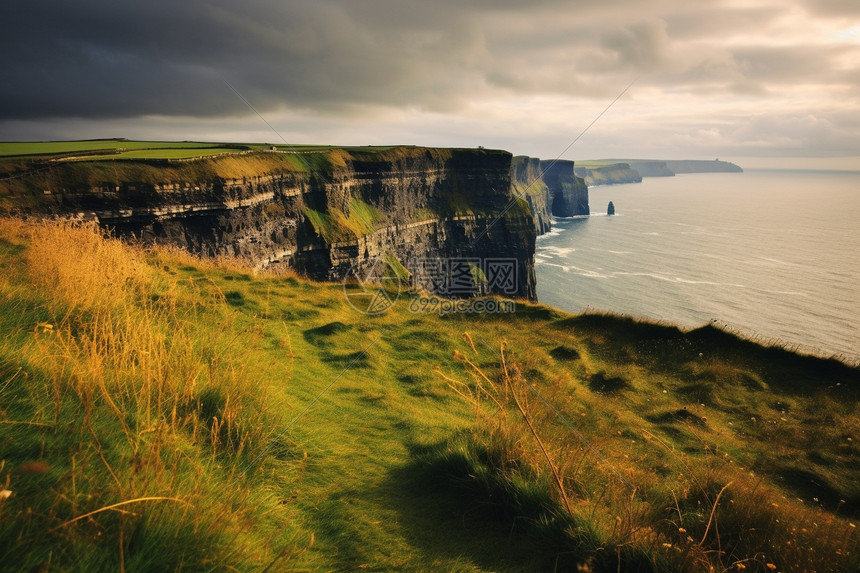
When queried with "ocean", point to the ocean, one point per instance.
{"points": [[771, 255]]}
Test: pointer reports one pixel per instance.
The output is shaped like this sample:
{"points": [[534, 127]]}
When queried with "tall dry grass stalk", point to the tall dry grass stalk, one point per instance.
{"points": [[125, 334], [83, 268], [142, 364]]}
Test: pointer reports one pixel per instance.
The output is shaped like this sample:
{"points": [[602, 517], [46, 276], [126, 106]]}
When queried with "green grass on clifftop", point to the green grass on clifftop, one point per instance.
{"points": [[163, 413]]}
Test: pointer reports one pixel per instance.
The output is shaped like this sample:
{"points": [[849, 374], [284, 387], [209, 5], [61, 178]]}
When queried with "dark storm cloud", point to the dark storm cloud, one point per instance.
{"points": [[122, 59], [425, 66]]}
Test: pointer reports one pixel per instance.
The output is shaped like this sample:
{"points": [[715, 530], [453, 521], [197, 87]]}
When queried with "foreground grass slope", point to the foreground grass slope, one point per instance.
{"points": [[163, 413]]}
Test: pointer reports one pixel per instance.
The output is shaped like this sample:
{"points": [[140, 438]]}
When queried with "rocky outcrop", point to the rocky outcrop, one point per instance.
{"points": [[321, 213], [551, 189]]}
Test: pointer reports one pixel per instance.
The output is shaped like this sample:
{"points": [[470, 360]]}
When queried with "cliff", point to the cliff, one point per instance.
{"points": [[696, 166], [527, 183], [608, 173], [652, 168], [550, 188], [569, 192], [615, 171], [320, 212], [671, 167]]}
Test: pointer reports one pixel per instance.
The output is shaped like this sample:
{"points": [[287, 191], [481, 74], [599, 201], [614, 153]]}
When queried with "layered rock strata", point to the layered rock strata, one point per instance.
{"points": [[321, 213]]}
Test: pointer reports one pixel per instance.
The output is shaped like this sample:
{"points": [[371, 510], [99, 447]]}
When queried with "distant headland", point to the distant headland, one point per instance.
{"points": [[615, 171]]}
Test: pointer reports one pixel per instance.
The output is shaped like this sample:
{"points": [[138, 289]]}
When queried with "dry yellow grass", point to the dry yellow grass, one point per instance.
{"points": [[135, 370]]}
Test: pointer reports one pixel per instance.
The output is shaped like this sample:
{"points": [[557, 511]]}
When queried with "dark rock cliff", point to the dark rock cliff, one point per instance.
{"points": [[551, 189], [527, 182], [568, 192], [320, 213]]}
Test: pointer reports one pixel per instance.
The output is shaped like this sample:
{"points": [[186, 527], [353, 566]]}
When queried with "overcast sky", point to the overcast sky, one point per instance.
{"points": [[735, 79]]}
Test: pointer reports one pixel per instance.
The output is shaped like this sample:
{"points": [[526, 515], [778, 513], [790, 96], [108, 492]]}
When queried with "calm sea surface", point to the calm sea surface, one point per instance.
{"points": [[772, 254]]}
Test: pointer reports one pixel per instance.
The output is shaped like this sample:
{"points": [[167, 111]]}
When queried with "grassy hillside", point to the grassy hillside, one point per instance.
{"points": [[163, 413]]}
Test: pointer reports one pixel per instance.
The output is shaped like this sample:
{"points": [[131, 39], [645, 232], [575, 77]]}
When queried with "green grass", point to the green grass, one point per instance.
{"points": [[301, 147], [106, 145], [280, 428], [334, 225], [171, 153], [124, 148]]}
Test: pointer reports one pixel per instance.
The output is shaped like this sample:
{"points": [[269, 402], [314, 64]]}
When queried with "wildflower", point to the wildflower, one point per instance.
{"points": [[770, 566], [682, 530], [5, 494]]}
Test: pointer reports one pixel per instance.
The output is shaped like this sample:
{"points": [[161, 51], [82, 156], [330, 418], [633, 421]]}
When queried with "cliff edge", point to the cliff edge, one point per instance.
{"points": [[320, 212], [551, 189]]}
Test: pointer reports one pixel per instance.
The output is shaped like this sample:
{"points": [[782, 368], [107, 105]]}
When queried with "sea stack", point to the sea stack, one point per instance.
{"points": [[610, 209]]}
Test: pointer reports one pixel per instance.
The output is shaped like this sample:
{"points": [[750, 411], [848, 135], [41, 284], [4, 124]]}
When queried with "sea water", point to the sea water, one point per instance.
{"points": [[773, 255]]}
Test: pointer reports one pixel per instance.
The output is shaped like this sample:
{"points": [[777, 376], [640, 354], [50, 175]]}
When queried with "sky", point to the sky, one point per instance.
{"points": [[766, 83]]}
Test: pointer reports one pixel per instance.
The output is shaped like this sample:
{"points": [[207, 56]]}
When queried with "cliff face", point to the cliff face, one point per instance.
{"points": [[527, 182], [652, 168], [569, 193], [609, 174], [702, 166], [550, 188], [671, 167], [320, 213], [614, 171]]}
